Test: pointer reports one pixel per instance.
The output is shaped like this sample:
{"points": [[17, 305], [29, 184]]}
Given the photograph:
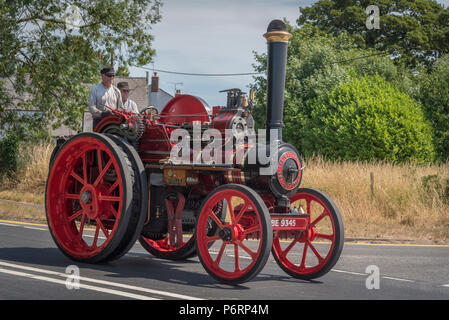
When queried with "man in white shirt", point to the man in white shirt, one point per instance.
{"points": [[104, 94], [128, 104]]}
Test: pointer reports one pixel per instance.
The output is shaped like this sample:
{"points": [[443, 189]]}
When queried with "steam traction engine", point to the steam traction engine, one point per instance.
{"points": [[109, 188]]}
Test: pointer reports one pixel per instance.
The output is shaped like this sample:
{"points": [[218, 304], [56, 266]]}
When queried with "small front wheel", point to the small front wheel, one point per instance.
{"points": [[313, 252], [240, 245]]}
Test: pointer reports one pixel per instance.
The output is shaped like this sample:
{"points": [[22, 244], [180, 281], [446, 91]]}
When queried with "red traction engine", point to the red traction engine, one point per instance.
{"points": [[109, 188]]}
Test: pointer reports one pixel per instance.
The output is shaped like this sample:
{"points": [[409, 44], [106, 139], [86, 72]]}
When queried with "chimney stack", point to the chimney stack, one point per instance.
{"points": [[277, 38], [155, 83]]}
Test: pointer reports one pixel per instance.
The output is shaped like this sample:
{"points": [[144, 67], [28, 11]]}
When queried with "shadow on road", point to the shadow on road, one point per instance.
{"points": [[134, 266]]}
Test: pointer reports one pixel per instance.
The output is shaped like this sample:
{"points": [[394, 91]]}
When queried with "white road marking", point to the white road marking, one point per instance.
{"points": [[397, 279], [366, 274], [350, 272], [84, 286], [9, 224], [113, 284], [35, 228]]}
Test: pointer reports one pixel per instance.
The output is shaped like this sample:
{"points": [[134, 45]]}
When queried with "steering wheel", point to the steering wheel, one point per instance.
{"points": [[149, 111]]}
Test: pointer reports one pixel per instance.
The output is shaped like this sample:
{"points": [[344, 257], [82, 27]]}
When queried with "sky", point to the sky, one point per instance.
{"points": [[212, 36]]}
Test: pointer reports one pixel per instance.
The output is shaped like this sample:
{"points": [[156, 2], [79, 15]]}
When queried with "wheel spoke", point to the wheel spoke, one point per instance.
{"points": [[100, 160], [103, 172], [216, 220], [97, 231], [109, 198], [236, 257], [83, 221], [114, 212], [214, 238], [251, 230], [75, 215], [77, 177], [86, 180], [99, 223], [231, 209], [241, 213], [304, 256], [324, 214], [287, 250], [248, 250], [325, 236], [72, 196], [317, 254], [116, 183], [220, 254]]}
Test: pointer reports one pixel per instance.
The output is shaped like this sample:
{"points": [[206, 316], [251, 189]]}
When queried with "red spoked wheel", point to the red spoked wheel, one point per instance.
{"points": [[240, 245], [179, 242], [311, 253], [162, 248], [89, 198]]}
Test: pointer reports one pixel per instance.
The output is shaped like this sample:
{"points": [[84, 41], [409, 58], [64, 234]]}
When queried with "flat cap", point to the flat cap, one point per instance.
{"points": [[109, 71], [123, 86]]}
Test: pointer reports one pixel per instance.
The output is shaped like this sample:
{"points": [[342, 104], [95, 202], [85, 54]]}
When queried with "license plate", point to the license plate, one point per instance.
{"points": [[289, 223]]}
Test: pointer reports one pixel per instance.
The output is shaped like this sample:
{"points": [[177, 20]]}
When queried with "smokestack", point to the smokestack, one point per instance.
{"points": [[155, 83], [277, 39]]}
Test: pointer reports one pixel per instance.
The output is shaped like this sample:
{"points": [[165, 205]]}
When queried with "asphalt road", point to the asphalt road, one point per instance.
{"points": [[32, 267]]}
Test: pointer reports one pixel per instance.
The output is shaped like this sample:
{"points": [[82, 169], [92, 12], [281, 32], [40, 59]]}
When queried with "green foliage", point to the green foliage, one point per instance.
{"points": [[416, 31], [434, 96], [316, 63], [365, 118], [9, 148], [47, 61]]}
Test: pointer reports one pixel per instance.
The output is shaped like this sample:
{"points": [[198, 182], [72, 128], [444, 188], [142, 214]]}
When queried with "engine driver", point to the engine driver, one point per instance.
{"points": [[104, 94]]}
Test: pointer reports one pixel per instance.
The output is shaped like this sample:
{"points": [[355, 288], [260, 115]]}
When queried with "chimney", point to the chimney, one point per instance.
{"points": [[178, 92], [155, 83], [277, 38]]}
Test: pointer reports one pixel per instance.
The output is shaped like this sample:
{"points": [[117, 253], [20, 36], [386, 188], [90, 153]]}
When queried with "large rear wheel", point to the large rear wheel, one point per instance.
{"points": [[89, 198]]}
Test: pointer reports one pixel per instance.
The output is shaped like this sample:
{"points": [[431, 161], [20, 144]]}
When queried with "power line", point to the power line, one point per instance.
{"points": [[251, 73], [204, 74]]}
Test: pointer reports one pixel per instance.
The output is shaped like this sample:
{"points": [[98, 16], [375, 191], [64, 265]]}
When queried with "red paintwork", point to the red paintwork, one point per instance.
{"points": [[183, 108], [114, 119]]}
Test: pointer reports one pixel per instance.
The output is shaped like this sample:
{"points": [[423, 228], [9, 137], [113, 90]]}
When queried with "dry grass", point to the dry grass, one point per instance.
{"points": [[406, 201]]}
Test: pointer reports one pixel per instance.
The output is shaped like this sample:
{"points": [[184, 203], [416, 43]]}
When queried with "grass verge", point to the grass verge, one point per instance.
{"points": [[377, 200]]}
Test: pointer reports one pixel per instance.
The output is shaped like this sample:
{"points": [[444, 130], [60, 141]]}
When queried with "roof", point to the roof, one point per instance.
{"points": [[159, 99]]}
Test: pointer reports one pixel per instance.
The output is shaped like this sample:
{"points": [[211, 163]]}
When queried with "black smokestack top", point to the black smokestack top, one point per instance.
{"points": [[276, 25], [277, 38]]}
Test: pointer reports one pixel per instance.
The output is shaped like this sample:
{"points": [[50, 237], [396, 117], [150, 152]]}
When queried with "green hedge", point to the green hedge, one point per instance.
{"points": [[9, 148], [366, 118]]}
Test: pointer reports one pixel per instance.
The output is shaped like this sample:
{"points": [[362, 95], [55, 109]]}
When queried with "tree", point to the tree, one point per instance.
{"points": [[416, 32], [366, 118], [316, 63], [434, 95], [51, 49]]}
